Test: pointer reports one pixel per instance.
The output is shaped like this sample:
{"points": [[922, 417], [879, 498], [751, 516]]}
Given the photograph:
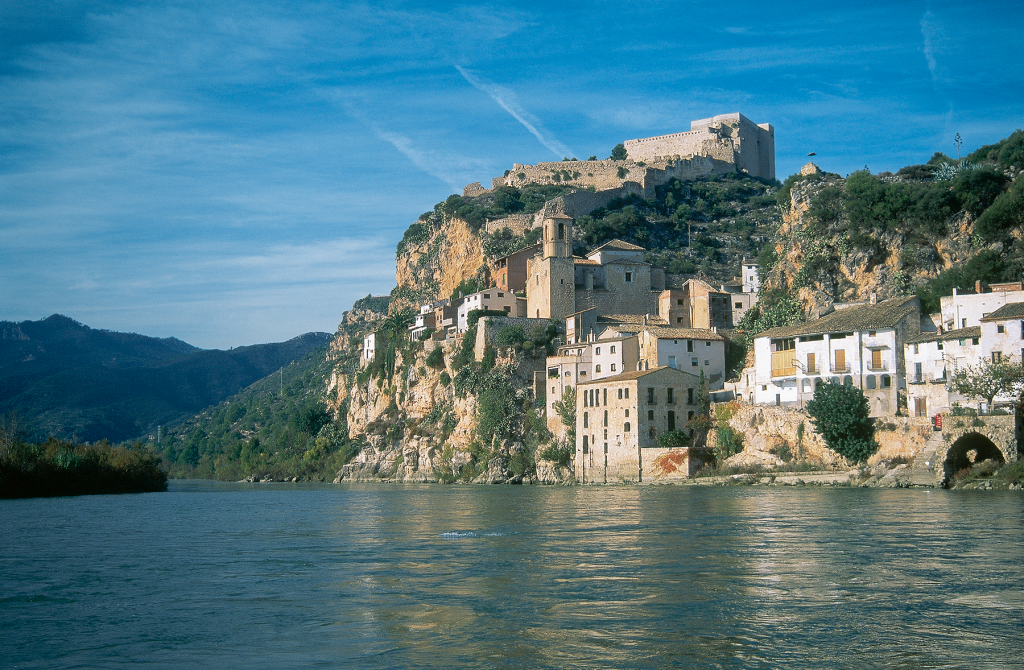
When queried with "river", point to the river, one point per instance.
{"points": [[212, 575]]}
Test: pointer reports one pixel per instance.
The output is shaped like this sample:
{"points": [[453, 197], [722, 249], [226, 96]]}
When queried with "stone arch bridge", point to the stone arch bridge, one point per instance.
{"points": [[967, 440]]}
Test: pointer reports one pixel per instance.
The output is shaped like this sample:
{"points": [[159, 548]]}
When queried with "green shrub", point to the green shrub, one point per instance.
{"points": [[840, 414], [446, 378], [435, 359], [619, 153], [673, 439]]}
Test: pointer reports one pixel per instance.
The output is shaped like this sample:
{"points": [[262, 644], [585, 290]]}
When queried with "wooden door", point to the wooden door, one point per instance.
{"points": [[811, 369], [840, 360], [876, 359]]}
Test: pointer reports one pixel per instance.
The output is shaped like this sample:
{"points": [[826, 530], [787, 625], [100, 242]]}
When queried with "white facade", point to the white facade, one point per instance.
{"points": [[690, 350], [614, 356], [369, 348], [491, 298], [751, 280], [572, 366], [1002, 334], [931, 361], [962, 310]]}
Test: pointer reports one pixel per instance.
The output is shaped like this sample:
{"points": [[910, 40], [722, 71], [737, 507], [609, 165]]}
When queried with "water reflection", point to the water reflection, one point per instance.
{"points": [[430, 576]]}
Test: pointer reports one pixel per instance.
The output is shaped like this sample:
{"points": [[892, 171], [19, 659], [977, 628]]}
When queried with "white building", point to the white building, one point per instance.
{"points": [[962, 310], [931, 361], [490, 299], [369, 348], [1002, 333], [693, 350], [614, 356], [861, 345]]}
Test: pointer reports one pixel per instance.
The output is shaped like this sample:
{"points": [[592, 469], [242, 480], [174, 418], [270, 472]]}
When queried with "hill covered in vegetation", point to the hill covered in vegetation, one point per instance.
{"points": [[77, 383]]}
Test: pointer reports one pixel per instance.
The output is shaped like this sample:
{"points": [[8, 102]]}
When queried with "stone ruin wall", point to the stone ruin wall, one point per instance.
{"points": [[603, 175]]}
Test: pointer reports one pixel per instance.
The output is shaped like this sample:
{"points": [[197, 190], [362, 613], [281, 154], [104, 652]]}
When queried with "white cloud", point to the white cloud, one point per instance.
{"points": [[507, 100]]}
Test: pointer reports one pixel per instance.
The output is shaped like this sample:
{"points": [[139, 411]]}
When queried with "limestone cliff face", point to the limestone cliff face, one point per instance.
{"points": [[432, 269], [415, 427], [823, 268]]}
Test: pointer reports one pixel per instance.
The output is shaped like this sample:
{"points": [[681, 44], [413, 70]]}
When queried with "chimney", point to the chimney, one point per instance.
{"points": [[874, 298], [977, 286]]}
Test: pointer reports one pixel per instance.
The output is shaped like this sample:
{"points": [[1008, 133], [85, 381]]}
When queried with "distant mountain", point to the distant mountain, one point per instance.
{"points": [[68, 380]]}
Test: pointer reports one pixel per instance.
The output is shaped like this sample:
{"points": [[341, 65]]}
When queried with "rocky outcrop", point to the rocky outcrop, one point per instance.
{"points": [[773, 436], [822, 268], [432, 269]]}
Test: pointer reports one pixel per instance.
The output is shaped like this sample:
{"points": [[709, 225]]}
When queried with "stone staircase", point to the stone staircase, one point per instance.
{"points": [[924, 471]]}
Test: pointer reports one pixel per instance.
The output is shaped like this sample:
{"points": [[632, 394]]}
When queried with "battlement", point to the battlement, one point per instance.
{"points": [[732, 138]]}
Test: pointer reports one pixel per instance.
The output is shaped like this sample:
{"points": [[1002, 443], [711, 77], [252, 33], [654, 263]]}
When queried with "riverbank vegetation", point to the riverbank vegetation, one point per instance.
{"points": [[60, 468]]}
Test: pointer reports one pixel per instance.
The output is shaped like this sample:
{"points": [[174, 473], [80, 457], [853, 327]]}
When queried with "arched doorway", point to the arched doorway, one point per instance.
{"points": [[971, 448]]}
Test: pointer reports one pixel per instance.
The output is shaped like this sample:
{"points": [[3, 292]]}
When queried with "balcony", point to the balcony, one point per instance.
{"points": [[878, 366], [784, 363], [812, 369], [845, 367]]}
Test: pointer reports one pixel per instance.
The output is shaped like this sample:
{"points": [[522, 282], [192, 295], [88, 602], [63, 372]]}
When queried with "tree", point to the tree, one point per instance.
{"points": [[840, 414], [566, 409], [988, 379], [619, 152], [673, 439]]}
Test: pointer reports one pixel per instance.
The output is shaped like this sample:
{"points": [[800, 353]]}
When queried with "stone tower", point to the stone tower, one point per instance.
{"points": [[551, 282]]}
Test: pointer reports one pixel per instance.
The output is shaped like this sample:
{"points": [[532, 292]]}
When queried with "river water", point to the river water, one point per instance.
{"points": [[214, 575]]}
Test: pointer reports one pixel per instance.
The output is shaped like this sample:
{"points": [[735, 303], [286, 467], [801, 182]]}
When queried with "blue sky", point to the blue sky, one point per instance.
{"points": [[238, 172]]}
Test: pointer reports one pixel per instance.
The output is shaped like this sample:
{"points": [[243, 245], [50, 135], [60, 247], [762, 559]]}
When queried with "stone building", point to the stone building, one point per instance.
{"points": [[731, 138], [696, 304], [612, 279], [619, 419], [509, 272]]}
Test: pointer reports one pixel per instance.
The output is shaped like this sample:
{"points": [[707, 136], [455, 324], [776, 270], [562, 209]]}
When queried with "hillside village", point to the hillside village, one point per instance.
{"points": [[628, 365]]}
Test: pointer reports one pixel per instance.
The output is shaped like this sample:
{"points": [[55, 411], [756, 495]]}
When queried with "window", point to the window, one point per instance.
{"points": [[689, 396], [693, 362], [613, 349], [627, 413], [707, 343], [739, 305], [606, 419], [568, 374], [672, 361], [552, 388], [627, 392], [974, 340], [613, 367], [689, 345], [487, 296], [620, 394], [871, 333], [870, 381], [997, 356], [1000, 328], [689, 415], [606, 396], [671, 400], [597, 351], [650, 397], [500, 294], [886, 381], [625, 427], [679, 319], [671, 420], [561, 231], [938, 346], [650, 415], [586, 417], [679, 301], [586, 444], [629, 276], [917, 349], [597, 368], [707, 362]]}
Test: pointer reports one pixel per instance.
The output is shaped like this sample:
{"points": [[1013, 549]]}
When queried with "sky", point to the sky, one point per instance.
{"points": [[232, 173]]}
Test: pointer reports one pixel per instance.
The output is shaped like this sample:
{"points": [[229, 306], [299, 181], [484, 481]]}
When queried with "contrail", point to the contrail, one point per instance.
{"points": [[507, 100]]}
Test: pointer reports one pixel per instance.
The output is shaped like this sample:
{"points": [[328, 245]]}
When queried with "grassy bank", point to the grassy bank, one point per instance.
{"points": [[59, 468]]}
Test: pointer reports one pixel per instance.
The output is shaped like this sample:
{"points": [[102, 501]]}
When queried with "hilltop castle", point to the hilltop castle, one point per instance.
{"points": [[716, 145]]}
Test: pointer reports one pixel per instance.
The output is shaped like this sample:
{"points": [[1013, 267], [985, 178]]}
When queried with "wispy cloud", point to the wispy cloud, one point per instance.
{"points": [[507, 100], [929, 32]]}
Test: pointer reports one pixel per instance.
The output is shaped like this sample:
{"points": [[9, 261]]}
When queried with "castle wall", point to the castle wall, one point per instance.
{"points": [[728, 138]]}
